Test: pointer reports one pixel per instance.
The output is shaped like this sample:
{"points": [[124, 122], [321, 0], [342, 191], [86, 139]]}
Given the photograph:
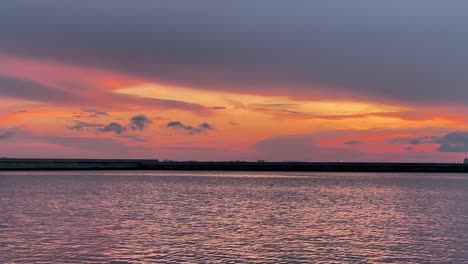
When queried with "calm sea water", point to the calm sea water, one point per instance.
{"points": [[200, 217]]}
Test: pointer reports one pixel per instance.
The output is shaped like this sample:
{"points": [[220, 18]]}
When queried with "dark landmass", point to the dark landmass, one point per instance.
{"points": [[134, 164]]}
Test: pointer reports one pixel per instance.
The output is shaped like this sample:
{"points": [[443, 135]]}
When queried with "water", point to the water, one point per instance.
{"points": [[202, 217]]}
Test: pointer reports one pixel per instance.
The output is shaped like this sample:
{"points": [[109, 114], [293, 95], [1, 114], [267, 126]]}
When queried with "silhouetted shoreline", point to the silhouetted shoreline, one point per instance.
{"points": [[137, 164]]}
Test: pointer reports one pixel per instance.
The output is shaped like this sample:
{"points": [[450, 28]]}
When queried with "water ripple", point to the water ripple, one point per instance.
{"points": [[147, 217]]}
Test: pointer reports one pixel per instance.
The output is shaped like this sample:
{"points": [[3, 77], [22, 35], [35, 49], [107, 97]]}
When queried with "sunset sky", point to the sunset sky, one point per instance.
{"points": [[235, 80]]}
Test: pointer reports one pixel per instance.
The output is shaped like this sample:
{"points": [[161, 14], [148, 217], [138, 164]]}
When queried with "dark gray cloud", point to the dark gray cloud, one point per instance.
{"points": [[190, 130], [114, 127], [98, 128], [395, 50], [417, 140], [136, 123], [80, 126], [206, 126], [139, 122], [6, 134], [450, 142], [353, 142], [454, 142]]}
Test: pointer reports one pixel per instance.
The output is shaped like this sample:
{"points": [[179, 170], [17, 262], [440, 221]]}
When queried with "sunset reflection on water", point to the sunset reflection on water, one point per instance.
{"points": [[147, 217]]}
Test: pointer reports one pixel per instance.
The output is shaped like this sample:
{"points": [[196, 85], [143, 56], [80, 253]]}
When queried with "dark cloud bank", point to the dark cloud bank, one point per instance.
{"points": [[454, 142], [450, 142], [391, 50]]}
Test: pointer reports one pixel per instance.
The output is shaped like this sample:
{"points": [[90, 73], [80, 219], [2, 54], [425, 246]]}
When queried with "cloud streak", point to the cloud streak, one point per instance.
{"points": [[94, 113], [34, 91], [353, 142], [11, 87]]}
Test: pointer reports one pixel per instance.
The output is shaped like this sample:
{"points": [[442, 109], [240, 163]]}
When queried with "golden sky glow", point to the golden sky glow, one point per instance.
{"points": [[238, 120]]}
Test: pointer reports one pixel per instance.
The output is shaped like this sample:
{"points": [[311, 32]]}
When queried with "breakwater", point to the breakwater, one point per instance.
{"points": [[147, 164]]}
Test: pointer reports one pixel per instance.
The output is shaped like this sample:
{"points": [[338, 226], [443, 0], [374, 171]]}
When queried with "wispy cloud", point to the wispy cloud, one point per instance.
{"points": [[353, 142], [95, 113], [88, 98]]}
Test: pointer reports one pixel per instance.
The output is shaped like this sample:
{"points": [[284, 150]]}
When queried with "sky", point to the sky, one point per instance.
{"points": [[235, 80]]}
